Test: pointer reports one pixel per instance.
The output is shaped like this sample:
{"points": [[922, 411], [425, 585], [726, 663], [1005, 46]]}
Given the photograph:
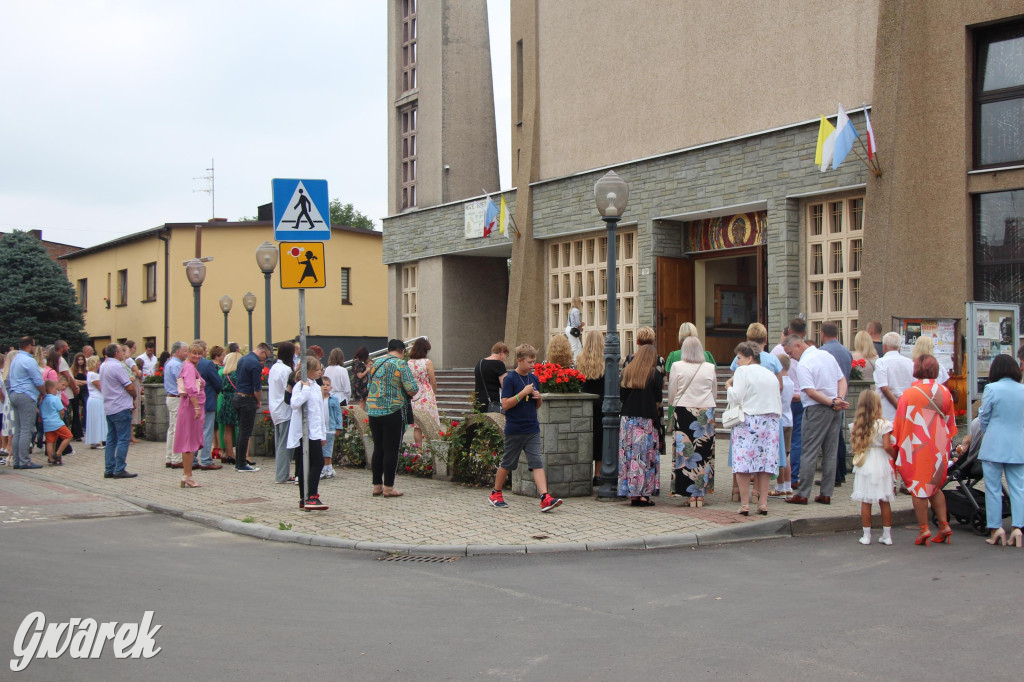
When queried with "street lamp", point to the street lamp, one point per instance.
{"points": [[611, 193], [249, 301], [266, 257], [195, 270], [225, 306]]}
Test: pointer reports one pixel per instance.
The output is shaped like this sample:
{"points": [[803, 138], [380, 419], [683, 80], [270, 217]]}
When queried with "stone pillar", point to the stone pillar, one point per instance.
{"points": [[156, 411], [566, 435]]}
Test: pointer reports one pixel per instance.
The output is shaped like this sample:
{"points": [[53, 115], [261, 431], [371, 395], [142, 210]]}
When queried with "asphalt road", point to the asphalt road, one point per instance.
{"points": [[234, 608]]}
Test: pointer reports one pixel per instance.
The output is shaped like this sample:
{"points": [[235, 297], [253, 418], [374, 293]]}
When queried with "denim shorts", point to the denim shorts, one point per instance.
{"points": [[516, 443]]}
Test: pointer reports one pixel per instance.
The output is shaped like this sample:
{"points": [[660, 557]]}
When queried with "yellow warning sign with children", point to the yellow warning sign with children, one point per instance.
{"points": [[302, 265]]}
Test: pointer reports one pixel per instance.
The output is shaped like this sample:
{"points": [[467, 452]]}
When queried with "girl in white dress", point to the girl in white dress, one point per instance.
{"points": [[872, 457], [95, 419]]}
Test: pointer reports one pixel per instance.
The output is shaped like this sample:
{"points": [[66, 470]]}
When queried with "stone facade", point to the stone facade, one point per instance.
{"points": [[775, 167], [566, 434], [438, 231]]}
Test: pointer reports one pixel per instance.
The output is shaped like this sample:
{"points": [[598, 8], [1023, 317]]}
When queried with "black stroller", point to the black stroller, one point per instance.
{"points": [[964, 502]]}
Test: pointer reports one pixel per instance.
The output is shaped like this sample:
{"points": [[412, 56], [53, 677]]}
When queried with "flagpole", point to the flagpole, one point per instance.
{"points": [[870, 163]]}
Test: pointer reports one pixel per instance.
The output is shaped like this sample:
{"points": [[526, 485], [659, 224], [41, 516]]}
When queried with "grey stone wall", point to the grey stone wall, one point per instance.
{"points": [[566, 434], [437, 231], [769, 168]]}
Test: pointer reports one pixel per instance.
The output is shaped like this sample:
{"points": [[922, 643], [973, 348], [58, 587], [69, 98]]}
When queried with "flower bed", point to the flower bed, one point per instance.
{"points": [[557, 379], [416, 462]]}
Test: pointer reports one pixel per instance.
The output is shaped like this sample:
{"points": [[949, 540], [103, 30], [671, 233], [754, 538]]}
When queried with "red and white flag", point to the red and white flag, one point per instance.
{"points": [[871, 136]]}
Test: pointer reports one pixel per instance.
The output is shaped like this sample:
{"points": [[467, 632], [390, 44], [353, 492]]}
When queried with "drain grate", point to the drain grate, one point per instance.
{"points": [[420, 559]]}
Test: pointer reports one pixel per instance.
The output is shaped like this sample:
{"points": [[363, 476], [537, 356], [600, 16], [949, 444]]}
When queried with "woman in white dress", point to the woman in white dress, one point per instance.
{"points": [[575, 323], [95, 418]]}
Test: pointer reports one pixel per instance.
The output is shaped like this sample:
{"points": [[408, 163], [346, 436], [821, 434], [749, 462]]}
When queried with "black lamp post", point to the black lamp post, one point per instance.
{"points": [[195, 270], [249, 301], [225, 306], [266, 257], [611, 193]]}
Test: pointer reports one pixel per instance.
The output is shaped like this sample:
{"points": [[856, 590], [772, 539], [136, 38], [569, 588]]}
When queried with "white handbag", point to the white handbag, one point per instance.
{"points": [[733, 416]]}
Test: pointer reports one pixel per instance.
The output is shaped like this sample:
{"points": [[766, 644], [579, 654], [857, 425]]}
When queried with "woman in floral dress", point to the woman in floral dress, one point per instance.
{"points": [[423, 372], [755, 440], [227, 417], [360, 379], [639, 469], [692, 386]]}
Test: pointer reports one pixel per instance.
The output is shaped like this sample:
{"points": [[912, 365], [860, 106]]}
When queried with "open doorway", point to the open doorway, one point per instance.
{"points": [[730, 292]]}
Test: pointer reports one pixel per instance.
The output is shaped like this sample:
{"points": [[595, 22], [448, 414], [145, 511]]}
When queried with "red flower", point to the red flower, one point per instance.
{"points": [[454, 424], [366, 421], [408, 469]]}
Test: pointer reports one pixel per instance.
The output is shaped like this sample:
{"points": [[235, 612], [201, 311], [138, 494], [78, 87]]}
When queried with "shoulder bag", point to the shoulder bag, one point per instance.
{"points": [[733, 416]]}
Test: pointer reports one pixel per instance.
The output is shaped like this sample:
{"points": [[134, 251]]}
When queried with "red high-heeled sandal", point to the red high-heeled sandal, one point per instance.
{"points": [[924, 536], [944, 535]]}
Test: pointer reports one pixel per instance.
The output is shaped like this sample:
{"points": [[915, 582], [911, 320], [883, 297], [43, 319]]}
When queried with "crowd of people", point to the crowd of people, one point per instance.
{"points": [[785, 414]]}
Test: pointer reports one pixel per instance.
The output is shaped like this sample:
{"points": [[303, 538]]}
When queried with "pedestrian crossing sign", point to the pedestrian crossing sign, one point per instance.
{"points": [[301, 210], [302, 265]]}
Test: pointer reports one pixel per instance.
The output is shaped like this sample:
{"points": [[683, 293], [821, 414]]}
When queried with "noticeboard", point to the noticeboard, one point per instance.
{"points": [[943, 331], [992, 330]]}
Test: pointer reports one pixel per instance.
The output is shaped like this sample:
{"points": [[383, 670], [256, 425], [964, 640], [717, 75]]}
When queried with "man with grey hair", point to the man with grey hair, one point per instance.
{"points": [[118, 391], [822, 386], [88, 352], [894, 373], [172, 369]]}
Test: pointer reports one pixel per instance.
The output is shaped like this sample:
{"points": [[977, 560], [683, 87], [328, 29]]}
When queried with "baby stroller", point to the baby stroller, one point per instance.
{"points": [[964, 502]]}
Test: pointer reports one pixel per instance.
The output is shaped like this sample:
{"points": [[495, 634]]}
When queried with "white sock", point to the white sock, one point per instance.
{"points": [[886, 538], [866, 540]]}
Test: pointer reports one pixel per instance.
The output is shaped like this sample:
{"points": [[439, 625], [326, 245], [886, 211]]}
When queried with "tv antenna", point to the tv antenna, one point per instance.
{"points": [[209, 189]]}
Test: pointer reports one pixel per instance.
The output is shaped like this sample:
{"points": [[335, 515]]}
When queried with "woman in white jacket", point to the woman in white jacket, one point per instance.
{"points": [[755, 440], [307, 398]]}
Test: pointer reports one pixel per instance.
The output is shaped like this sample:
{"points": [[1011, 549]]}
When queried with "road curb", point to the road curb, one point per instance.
{"points": [[765, 529]]}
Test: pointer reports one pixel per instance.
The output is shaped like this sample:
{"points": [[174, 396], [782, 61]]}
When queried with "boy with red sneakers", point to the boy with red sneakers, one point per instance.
{"points": [[520, 398], [58, 435]]}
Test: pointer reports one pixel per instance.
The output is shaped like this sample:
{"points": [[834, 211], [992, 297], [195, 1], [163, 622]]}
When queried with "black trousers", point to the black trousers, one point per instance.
{"points": [[77, 409], [316, 465], [387, 438], [245, 406]]}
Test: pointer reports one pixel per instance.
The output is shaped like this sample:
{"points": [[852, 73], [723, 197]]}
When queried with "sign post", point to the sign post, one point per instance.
{"points": [[302, 211]]}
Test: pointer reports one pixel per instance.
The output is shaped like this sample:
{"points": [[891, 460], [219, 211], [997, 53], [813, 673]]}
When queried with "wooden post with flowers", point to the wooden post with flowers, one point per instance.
{"points": [[566, 430]]}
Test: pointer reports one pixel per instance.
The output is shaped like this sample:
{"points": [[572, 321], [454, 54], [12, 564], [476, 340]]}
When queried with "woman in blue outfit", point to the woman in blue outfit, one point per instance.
{"points": [[1002, 449]]}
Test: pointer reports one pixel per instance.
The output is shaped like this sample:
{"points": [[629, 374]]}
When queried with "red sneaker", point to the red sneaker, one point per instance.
{"points": [[547, 502]]}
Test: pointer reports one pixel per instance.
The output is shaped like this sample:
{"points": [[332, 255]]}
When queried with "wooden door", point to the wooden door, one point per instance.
{"points": [[674, 301]]}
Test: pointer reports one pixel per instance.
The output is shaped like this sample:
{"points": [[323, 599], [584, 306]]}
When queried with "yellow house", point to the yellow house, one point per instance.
{"points": [[135, 287]]}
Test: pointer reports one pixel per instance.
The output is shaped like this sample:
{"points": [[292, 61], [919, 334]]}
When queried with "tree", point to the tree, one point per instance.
{"points": [[348, 215], [36, 298]]}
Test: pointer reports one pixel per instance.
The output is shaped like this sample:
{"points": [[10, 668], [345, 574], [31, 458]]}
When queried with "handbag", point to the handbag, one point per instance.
{"points": [[733, 416]]}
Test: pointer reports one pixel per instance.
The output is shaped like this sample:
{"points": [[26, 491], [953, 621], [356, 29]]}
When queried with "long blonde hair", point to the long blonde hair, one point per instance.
{"points": [[923, 346], [7, 363], [591, 360], [638, 371], [863, 344], [869, 408], [231, 362], [559, 351]]}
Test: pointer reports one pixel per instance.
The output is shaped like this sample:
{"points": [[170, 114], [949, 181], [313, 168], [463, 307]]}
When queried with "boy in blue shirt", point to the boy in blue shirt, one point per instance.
{"points": [[332, 413], [52, 411], [520, 398]]}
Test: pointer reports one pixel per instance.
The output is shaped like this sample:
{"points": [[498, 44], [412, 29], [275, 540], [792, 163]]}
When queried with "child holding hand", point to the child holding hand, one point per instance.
{"points": [[52, 412], [873, 452], [332, 426]]}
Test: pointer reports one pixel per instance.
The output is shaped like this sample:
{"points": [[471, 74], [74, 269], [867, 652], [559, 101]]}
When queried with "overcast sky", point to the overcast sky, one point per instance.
{"points": [[112, 109]]}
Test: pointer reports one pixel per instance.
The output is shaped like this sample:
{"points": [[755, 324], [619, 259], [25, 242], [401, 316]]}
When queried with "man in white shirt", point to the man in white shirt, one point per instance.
{"points": [[822, 393], [894, 373], [148, 360]]}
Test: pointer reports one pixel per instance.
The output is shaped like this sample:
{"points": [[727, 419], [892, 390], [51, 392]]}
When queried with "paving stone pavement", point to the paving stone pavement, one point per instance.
{"points": [[430, 513]]}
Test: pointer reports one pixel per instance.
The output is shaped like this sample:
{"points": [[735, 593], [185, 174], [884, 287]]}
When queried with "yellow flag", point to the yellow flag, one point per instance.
{"points": [[825, 130], [502, 215]]}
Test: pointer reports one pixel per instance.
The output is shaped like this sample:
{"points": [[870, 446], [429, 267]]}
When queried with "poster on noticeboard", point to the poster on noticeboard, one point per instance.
{"points": [[942, 331], [992, 330]]}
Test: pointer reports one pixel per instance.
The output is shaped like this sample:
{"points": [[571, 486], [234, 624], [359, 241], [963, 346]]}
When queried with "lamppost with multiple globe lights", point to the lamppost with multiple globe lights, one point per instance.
{"points": [[249, 301], [611, 193], [195, 271], [266, 257], [225, 306]]}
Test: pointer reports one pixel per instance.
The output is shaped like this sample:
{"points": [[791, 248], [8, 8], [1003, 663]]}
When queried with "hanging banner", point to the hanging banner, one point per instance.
{"points": [[474, 217]]}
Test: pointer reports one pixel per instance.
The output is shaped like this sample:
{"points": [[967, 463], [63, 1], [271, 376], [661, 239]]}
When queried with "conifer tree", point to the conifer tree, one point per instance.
{"points": [[36, 298]]}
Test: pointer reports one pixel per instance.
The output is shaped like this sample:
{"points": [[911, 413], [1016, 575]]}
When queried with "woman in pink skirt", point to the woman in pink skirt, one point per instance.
{"points": [[188, 430]]}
